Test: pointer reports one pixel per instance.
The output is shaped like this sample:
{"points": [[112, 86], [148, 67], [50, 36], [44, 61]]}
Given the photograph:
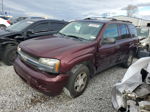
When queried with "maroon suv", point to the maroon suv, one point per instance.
{"points": [[79, 51]]}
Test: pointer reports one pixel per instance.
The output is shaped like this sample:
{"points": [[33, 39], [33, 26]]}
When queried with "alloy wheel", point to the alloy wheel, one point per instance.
{"points": [[80, 82]]}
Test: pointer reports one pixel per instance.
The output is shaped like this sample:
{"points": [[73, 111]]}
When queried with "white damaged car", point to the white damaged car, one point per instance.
{"points": [[132, 94]]}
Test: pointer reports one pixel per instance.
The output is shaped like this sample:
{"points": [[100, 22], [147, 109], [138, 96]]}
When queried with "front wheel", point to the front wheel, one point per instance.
{"points": [[2, 27], [10, 54], [78, 81]]}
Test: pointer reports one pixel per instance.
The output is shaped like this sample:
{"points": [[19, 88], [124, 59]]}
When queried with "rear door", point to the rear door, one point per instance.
{"points": [[108, 52], [124, 42]]}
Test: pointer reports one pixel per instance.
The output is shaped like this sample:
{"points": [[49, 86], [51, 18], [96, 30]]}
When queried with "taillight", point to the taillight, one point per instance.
{"points": [[8, 21]]}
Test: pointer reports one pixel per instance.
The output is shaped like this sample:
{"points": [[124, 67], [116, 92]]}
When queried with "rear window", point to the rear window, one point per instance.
{"points": [[133, 30]]}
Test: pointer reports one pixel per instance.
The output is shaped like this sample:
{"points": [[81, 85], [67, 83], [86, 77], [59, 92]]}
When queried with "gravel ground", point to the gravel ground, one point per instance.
{"points": [[17, 96]]}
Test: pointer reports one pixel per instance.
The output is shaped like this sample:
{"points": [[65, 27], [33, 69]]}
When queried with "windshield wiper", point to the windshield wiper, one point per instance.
{"points": [[61, 34], [75, 37]]}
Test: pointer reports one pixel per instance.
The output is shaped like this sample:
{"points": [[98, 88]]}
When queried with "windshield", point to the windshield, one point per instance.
{"points": [[82, 30], [19, 26], [143, 32]]}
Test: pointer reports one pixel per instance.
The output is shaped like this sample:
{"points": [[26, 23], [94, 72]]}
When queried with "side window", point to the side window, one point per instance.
{"points": [[56, 26], [133, 30], [123, 31], [42, 27], [111, 31]]}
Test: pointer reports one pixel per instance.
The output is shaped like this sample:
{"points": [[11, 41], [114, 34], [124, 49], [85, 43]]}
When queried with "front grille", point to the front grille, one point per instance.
{"points": [[28, 59], [33, 62]]}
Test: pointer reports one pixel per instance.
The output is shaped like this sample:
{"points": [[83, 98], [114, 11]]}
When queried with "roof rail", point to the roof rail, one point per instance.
{"points": [[104, 18], [122, 20], [98, 18]]}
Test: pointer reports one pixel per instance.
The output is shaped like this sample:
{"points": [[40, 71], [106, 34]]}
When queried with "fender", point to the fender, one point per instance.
{"points": [[87, 59]]}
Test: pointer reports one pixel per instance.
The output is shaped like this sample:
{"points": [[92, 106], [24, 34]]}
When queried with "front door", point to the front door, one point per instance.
{"points": [[108, 51]]}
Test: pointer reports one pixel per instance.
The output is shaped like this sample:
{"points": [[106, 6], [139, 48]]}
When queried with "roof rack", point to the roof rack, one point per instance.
{"points": [[104, 18], [122, 20], [98, 18]]}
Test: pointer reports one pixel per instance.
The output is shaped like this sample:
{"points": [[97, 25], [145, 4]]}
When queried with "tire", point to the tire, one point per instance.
{"points": [[129, 60], [78, 81], [10, 54], [2, 27]]}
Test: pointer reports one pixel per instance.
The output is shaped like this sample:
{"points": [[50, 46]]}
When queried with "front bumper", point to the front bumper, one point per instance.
{"points": [[46, 83]]}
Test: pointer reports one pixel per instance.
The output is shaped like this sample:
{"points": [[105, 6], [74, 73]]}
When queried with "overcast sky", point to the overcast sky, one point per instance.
{"points": [[74, 9]]}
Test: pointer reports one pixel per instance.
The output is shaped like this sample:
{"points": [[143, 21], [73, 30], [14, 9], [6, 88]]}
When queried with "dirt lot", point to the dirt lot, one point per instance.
{"points": [[17, 96]]}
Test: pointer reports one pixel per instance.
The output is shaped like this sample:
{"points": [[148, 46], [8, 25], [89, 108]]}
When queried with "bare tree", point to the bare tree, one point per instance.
{"points": [[131, 10]]}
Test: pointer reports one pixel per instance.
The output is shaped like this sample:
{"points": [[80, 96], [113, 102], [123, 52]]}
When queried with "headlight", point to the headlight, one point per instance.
{"points": [[18, 49], [53, 64]]}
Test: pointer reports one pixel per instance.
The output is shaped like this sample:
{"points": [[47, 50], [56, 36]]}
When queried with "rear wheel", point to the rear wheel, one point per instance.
{"points": [[129, 60], [78, 81], [147, 48], [10, 54]]}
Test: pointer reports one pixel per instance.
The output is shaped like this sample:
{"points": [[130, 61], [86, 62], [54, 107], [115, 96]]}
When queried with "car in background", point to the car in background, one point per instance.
{"points": [[36, 17], [14, 20], [23, 30], [80, 50], [144, 36], [5, 17], [4, 23]]}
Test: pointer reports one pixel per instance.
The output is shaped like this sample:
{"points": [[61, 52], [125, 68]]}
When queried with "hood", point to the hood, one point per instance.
{"points": [[5, 33], [52, 47]]}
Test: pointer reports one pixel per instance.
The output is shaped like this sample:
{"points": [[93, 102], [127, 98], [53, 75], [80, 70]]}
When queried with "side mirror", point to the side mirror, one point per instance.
{"points": [[30, 32], [109, 41]]}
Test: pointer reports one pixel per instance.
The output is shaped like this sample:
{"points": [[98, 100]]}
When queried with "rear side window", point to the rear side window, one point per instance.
{"points": [[123, 31], [111, 31], [133, 30]]}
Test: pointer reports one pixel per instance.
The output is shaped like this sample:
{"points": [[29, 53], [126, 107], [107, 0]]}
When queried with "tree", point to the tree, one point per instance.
{"points": [[131, 10]]}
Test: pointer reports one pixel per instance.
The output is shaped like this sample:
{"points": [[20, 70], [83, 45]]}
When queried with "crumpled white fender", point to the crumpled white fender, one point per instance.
{"points": [[131, 80]]}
